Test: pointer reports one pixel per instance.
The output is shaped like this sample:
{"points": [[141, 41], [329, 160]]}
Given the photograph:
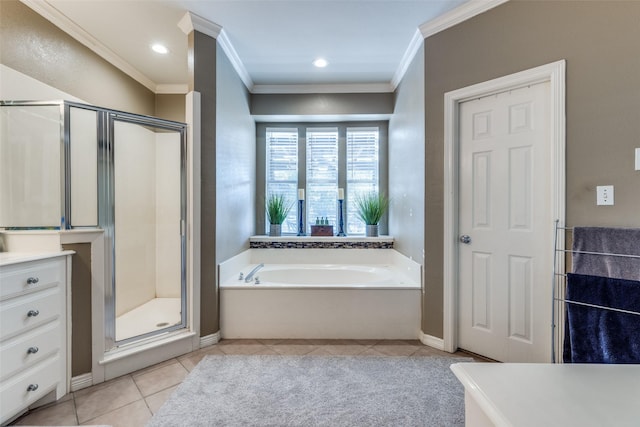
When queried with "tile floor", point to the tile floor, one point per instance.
{"points": [[131, 400]]}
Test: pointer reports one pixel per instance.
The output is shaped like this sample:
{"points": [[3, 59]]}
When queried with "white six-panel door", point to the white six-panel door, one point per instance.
{"points": [[504, 214]]}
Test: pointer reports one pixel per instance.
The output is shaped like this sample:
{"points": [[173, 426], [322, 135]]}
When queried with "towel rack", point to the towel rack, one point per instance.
{"points": [[559, 288]]}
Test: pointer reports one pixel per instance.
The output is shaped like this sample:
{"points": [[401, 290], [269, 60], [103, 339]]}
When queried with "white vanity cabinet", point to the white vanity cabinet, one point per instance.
{"points": [[33, 329]]}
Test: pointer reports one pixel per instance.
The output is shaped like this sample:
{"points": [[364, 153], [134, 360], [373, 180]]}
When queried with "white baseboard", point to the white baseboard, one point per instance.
{"points": [[81, 381], [431, 341], [210, 339]]}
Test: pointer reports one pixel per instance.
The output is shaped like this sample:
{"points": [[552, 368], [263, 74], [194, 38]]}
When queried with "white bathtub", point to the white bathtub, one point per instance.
{"points": [[321, 293]]}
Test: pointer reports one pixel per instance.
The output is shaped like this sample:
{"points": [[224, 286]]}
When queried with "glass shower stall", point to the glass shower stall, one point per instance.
{"points": [[70, 166]]}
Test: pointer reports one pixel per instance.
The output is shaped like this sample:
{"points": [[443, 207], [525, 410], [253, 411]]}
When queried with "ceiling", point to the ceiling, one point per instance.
{"points": [[276, 41]]}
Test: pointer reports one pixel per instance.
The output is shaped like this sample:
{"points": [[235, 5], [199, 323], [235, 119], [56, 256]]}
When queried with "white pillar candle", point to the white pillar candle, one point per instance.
{"points": [[300, 193], [340, 193]]}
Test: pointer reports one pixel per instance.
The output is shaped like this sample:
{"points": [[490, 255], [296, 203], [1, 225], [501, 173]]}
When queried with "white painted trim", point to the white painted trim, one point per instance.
{"points": [[49, 12], [81, 381], [431, 341], [192, 22], [416, 43], [235, 60], [210, 340], [460, 14], [179, 89], [193, 119], [554, 73], [325, 88]]}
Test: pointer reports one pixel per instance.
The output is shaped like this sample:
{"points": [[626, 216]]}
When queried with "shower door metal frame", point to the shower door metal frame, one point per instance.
{"points": [[106, 217], [105, 190]]}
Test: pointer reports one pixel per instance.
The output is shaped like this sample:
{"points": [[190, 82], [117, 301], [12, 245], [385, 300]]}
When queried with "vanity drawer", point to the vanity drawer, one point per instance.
{"points": [[26, 312], [25, 388], [29, 348], [27, 276]]}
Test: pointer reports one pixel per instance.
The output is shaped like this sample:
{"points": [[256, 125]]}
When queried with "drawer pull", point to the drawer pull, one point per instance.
{"points": [[32, 280], [33, 313], [32, 387], [32, 350]]}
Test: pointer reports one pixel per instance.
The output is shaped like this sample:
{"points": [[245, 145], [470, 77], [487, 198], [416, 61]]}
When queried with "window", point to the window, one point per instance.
{"points": [[322, 174], [320, 158], [362, 172], [282, 171]]}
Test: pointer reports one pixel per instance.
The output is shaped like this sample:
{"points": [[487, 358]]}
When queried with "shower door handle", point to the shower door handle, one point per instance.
{"points": [[183, 227]]}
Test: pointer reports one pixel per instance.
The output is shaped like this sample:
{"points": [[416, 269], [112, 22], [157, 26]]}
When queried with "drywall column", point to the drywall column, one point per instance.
{"points": [[202, 78]]}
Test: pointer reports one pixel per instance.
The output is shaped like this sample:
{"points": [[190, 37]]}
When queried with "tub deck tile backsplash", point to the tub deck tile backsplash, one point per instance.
{"points": [[263, 242]]}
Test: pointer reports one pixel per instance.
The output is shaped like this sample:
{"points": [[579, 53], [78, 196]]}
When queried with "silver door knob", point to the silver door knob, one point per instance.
{"points": [[465, 239]]}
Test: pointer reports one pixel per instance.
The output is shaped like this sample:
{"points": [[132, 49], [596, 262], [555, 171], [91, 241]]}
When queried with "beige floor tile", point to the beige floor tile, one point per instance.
{"points": [[59, 414], [297, 341], [329, 341], [367, 343], [395, 348], [294, 349], [345, 349], [190, 360], [154, 367], [135, 414], [240, 346], [266, 351], [425, 351], [270, 341], [371, 352], [98, 400], [154, 381], [155, 401], [319, 351]]}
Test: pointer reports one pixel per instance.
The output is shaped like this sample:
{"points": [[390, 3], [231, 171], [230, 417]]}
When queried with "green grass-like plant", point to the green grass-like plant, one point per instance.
{"points": [[371, 207], [278, 208]]}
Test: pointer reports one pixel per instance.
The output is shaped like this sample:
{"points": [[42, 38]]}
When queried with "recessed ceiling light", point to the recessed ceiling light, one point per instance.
{"points": [[161, 49], [320, 63]]}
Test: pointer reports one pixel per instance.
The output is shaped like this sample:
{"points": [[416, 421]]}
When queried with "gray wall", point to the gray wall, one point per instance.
{"points": [[202, 78], [600, 41], [235, 163], [328, 104], [406, 163]]}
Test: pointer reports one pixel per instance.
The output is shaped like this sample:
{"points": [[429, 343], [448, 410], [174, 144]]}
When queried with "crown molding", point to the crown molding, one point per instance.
{"points": [[192, 22], [407, 58], [169, 89], [453, 17], [47, 11], [459, 14], [324, 88], [235, 60]]}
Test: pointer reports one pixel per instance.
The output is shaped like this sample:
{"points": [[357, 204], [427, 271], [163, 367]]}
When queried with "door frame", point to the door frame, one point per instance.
{"points": [[554, 73]]}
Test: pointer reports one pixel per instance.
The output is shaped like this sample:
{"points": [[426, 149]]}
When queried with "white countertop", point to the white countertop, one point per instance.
{"points": [[524, 394], [7, 258]]}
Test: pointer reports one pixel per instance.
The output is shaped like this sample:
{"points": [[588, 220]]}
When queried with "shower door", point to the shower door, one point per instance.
{"points": [[143, 212]]}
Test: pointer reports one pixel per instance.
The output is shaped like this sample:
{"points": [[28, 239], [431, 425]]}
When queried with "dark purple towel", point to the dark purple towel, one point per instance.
{"points": [[607, 240], [594, 335]]}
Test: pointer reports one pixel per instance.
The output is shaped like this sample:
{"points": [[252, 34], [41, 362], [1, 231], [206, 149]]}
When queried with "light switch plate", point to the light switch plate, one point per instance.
{"points": [[604, 195], [638, 159]]}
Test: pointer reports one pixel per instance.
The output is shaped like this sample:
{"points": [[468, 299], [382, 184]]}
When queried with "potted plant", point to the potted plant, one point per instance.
{"points": [[277, 210], [371, 207]]}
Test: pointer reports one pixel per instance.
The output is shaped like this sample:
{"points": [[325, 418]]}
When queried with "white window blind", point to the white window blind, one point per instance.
{"points": [[362, 171], [322, 174], [282, 171]]}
